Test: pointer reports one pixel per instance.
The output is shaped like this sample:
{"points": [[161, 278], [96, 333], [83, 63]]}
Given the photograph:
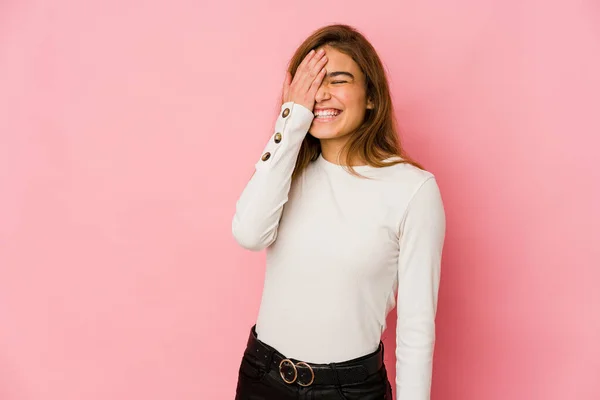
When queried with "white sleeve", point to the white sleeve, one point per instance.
{"points": [[422, 233], [259, 208]]}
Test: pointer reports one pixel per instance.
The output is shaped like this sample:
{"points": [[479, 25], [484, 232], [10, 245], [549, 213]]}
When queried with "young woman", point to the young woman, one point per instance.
{"points": [[352, 227]]}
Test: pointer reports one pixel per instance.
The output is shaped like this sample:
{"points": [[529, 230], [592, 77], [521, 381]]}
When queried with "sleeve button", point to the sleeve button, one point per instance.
{"points": [[277, 137], [266, 156], [285, 112]]}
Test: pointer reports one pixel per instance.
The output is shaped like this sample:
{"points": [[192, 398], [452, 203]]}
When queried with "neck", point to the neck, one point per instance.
{"points": [[332, 152]]}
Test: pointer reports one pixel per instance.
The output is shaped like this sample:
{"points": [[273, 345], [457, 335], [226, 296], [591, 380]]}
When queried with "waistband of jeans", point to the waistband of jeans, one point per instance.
{"points": [[306, 373]]}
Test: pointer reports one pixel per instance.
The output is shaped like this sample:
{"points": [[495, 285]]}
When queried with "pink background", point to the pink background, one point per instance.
{"points": [[128, 130]]}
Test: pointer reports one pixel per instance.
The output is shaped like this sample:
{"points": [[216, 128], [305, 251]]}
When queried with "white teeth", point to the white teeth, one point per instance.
{"points": [[326, 113]]}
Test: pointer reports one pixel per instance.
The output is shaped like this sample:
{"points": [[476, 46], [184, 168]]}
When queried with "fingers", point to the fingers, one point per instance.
{"points": [[313, 65], [310, 71], [302, 87], [320, 64], [317, 82], [306, 59]]}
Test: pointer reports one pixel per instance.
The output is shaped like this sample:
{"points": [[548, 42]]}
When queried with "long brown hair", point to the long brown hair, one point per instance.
{"points": [[377, 138]]}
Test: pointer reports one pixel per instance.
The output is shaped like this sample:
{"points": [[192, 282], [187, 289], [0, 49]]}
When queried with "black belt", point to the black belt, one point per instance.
{"points": [[305, 374]]}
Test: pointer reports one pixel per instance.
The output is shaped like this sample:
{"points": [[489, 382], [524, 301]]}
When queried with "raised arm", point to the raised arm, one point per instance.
{"points": [[260, 205], [422, 233], [259, 208]]}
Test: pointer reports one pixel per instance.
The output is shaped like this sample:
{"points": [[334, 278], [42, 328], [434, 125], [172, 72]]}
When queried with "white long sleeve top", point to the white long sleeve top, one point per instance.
{"points": [[341, 252]]}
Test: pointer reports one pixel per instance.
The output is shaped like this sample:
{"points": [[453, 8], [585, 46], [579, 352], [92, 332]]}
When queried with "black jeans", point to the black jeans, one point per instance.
{"points": [[261, 380]]}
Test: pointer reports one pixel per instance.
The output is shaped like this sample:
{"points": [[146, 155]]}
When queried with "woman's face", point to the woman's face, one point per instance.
{"points": [[341, 101]]}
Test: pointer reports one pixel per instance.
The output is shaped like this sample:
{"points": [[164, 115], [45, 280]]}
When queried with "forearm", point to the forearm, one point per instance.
{"points": [[259, 208]]}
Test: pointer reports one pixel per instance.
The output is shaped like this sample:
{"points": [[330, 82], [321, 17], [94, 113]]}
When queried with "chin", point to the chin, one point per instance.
{"points": [[325, 132], [320, 134]]}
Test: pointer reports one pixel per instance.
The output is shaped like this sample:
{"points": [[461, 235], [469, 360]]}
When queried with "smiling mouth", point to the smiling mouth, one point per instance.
{"points": [[327, 116]]}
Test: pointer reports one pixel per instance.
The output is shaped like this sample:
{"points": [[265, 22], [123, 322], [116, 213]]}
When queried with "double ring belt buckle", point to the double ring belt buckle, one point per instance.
{"points": [[296, 372]]}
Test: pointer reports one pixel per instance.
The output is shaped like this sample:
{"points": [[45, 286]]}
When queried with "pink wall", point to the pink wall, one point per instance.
{"points": [[128, 129]]}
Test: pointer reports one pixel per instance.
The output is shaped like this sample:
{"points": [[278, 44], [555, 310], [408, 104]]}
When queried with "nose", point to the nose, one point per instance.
{"points": [[322, 93]]}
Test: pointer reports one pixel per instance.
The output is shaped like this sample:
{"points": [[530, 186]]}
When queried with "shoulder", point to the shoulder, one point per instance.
{"points": [[406, 186], [405, 178]]}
